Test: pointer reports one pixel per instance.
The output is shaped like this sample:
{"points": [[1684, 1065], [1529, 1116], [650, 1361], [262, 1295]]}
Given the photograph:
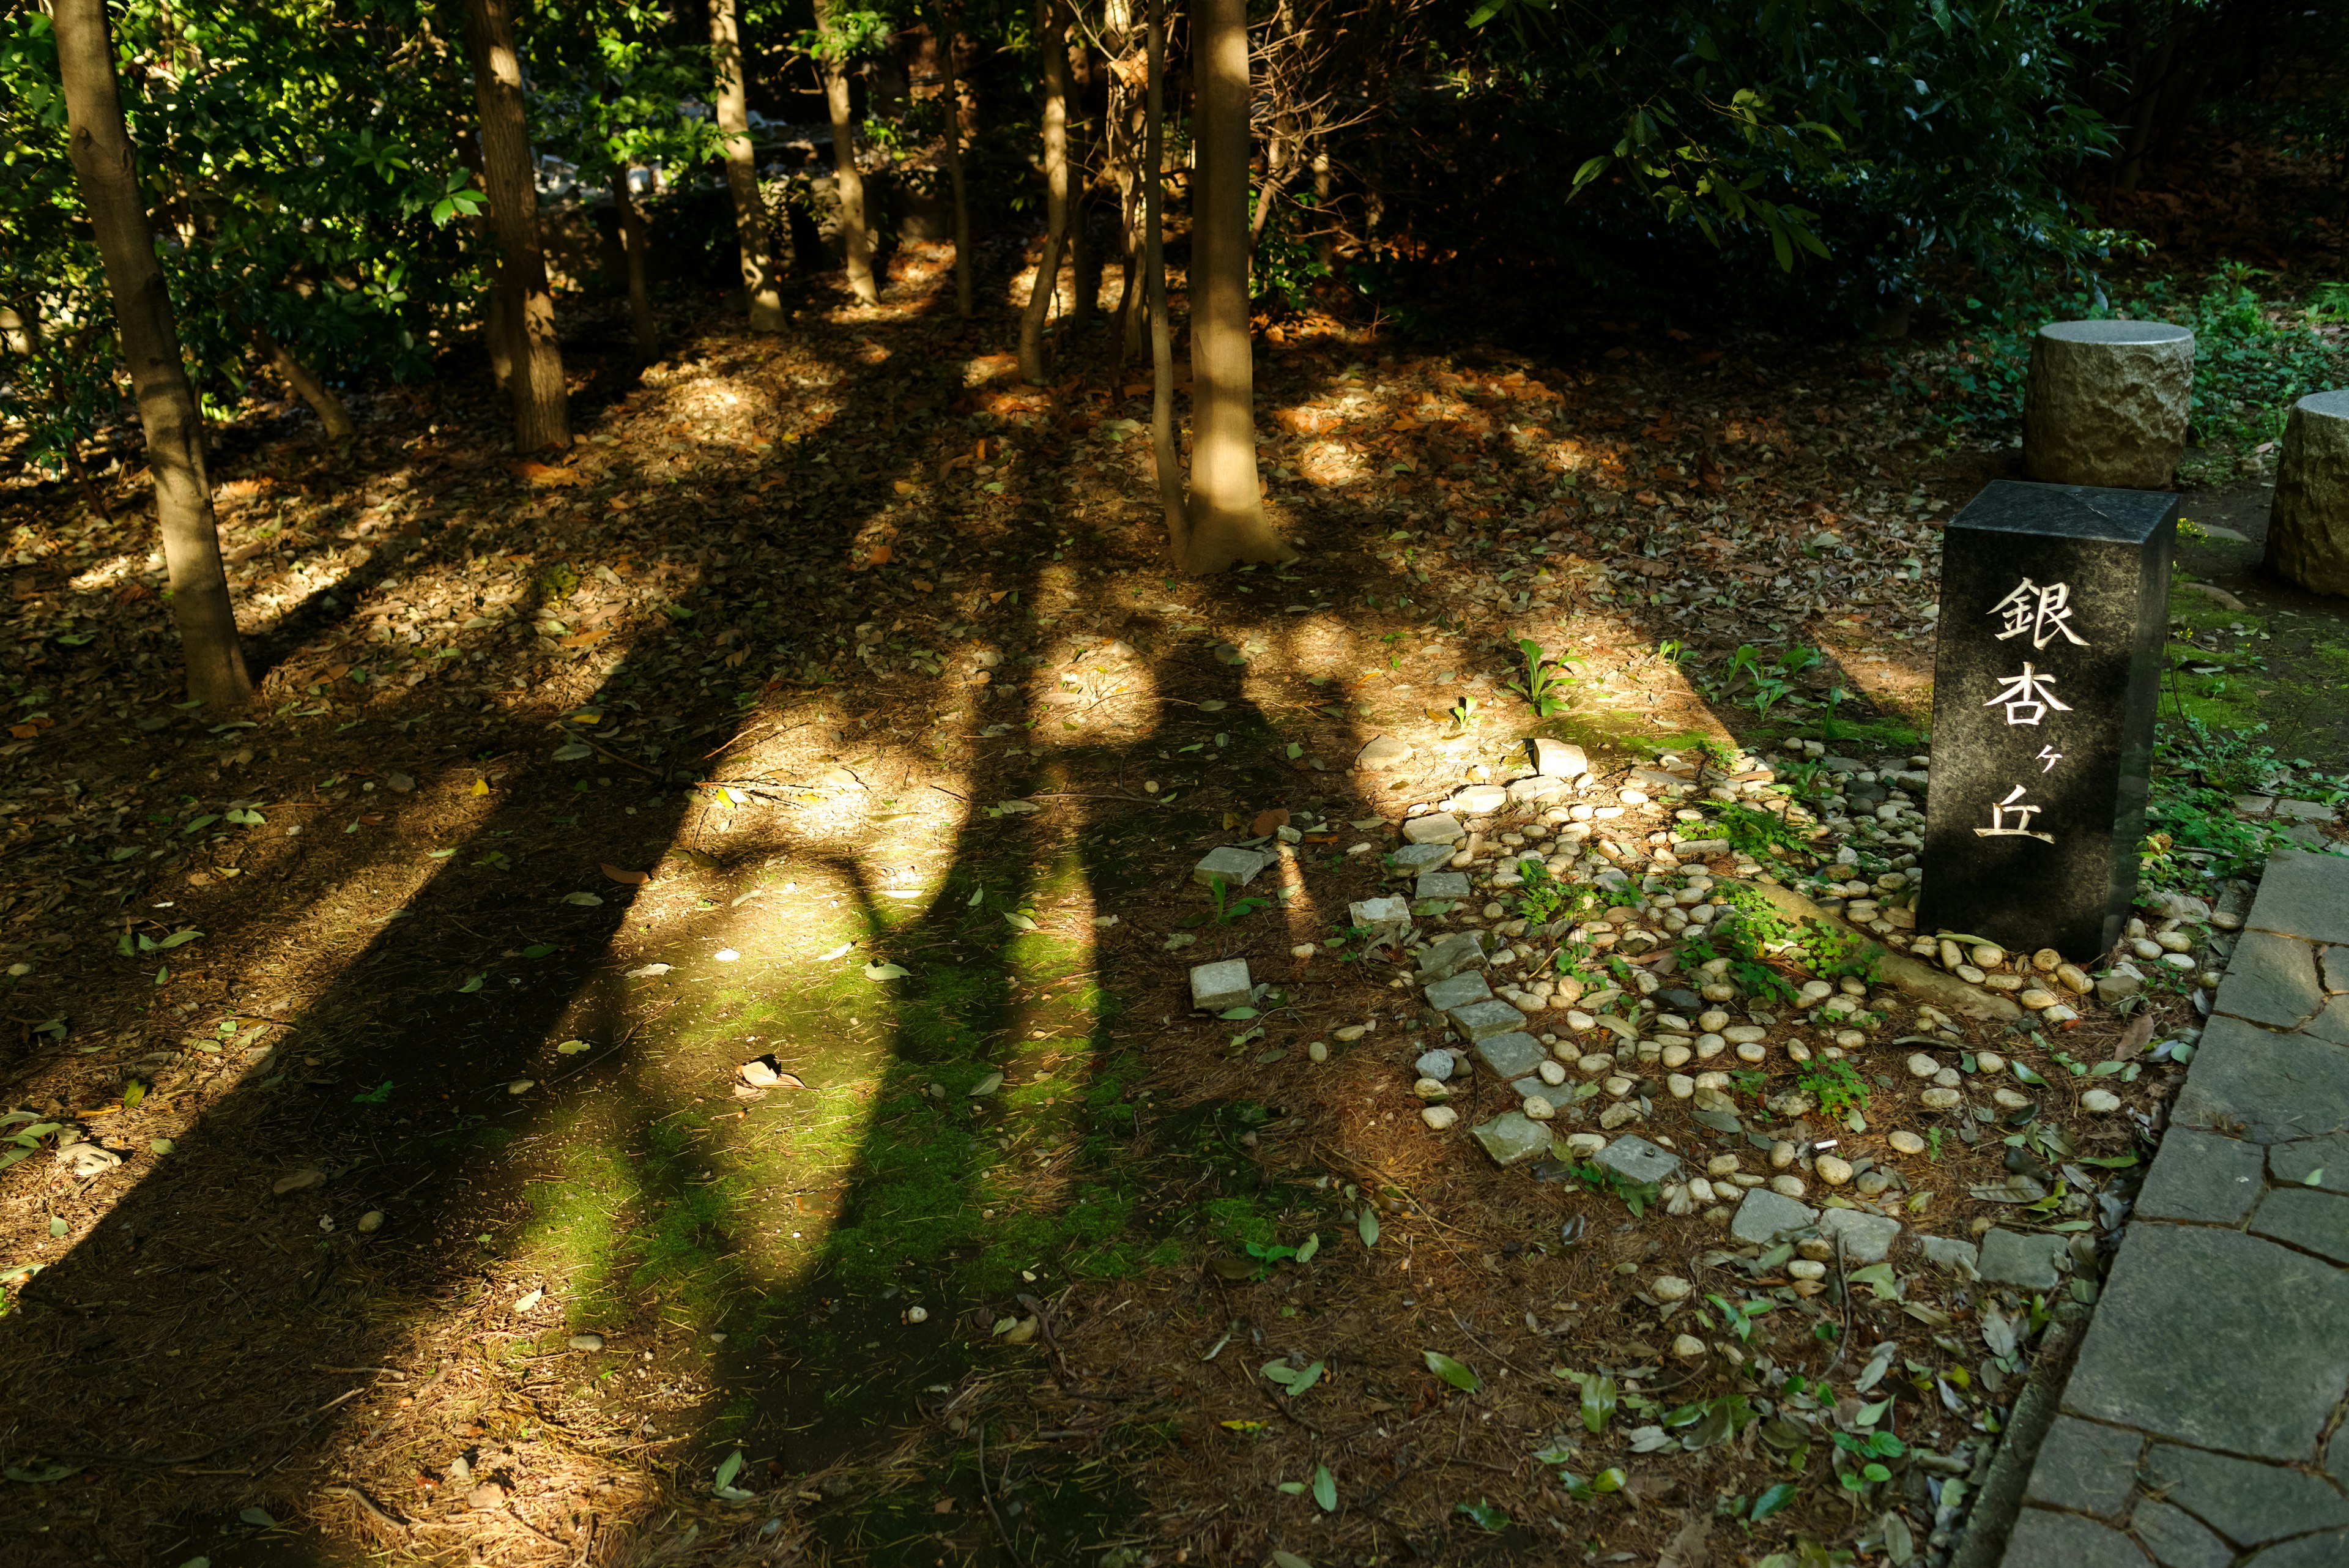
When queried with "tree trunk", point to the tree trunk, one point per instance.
{"points": [[1153, 273], [541, 405], [634, 240], [946, 33], [1325, 242], [1228, 520], [308, 388], [1084, 257], [1127, 329], [856, 242], [100, 147], [752, 226], [1051, 38]]}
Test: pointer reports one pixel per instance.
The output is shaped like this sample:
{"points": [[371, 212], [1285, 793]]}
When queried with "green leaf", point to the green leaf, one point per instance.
{"points": [[1019, 923], [1774, 1499], [538, 950], [179, 939], [1366, 1225], [1453, 1372], [585, 900], [199, 823], [1877, 1277], [1288, 1560], [1325, 1489], [1312, 1245], [471, 985], [1599, 1396], [132, 1092], [374, 1096], [1609, 1480], [885, 971], [40, 1474], [1484, 1516], [2028, 1076]]}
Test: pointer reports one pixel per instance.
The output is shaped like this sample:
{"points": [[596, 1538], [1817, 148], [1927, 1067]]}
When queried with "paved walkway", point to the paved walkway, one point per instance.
{"points": [[2202, 1424]]}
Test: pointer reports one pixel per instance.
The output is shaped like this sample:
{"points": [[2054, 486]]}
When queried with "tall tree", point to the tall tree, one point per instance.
{"points": [[108, 177], [837, 39], [541, 405], [943, 27], [1051, 34], [759, 272], [1154, 275], [1227, 523]]}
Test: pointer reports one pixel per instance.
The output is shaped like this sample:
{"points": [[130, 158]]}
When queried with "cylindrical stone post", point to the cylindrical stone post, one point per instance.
{"points": [[2308, 521], [2106, 403]]}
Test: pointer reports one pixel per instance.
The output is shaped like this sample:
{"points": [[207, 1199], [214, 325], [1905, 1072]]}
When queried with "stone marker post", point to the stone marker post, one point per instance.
{"points": [[2055, 610], [2308, 521], [2106, 403]]}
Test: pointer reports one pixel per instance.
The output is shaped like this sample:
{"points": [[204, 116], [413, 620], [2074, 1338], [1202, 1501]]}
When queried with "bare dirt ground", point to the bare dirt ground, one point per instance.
{"points": [[387, 1188]]}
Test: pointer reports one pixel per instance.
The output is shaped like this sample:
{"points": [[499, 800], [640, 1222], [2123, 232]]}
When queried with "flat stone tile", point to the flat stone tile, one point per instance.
{"points": [[1763, 1215], [2217, 1339], [1866, 1238], [2330, 1550], [2203, 1177], [1231, 866], [2325, 1158], [2304, 1218], [1637, 1159], [1513, 1053], [1447, 956], [1441, 885], [2045, 1539], [2177, 1539], [2304, 896], [2086, 1467], [2270, 980], [2334, 968], [1459, 990], [1513, 1136], [2025, 1259], [1479, 1019], [2266, 1088], [1421, 856], [2250, 1503], [2333, 1023]]}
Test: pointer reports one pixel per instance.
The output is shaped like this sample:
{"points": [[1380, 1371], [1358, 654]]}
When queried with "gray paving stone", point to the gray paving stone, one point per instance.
{"points": [[2334, 968], [1479, 1019], [2333, 1023], [2086, 1467], [1637, 1159], [1439, 828], [2018, 1258], [1441, 885], [2203, 1177], [1765, 1215], [1866, 1237], [2330, 1550], [1961, 1258], [2045, 1539], [2217, 1339], [1443, 995], [2304, 1218], [2177, 1539], [2304, 895], [1380, 915], [1232, 867], [2250, 1503], [2270, 980], [1513, 1136], [1450, 955], [1437, 1064], [1217, 986], [1421, 856], [1512, 1054], [2266, 1088], [2326, 1158]]}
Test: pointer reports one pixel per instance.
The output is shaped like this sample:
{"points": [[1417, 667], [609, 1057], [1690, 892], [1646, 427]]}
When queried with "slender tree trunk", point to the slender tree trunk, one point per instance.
{"points": [[1325, 242], [855, 241], [321, 398], [946, 33], [1051, 38], [1084, 257], [541, 405], [1228, 520], [102, 161], [1153, 272], [1127, 330], [635, 240], [752, 226]]}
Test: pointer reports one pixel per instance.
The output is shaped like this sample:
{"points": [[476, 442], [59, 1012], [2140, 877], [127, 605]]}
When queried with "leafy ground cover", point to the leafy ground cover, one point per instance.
{"points": [[389, 1179]]}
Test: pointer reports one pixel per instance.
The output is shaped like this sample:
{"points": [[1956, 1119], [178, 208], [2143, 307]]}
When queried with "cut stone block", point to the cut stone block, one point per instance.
{"points": [[2304, 1218], [1559, 759], [2203, 1178], [1460, 991], [2336, 966], [1540, 789], [1511, 1054], [2106, 403], [1866, 1238], [2254, 1503], [1441, 827], [2018, 1258], [1765, 1215], [1637, 1159], [2302, 894], [1218, 987], [1383, 754], [2045, 1540], [1961, 1257], [1233, 866], [1479, 1019], [2270, 980], [1385, 917], [1513, 1136], [2308, 521], [2086, 1467], [1441, 885], [2263, 1087], [1477, 800], [2218, 1340], [1451, 954], [2177, 1539], [2325, 1158], [1415, 858]]}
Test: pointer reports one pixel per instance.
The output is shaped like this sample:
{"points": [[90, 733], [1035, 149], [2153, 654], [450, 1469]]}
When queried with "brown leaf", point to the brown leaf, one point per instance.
{"points": [[545, 474], [2138, 1033], [632, 878], [1266, 821]]}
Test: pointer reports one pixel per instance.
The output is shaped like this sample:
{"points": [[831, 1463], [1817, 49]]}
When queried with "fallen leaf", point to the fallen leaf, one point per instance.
{"points": [[1267, 822], [633, 879], [310, 1176], [647, 971], [885, 971]]}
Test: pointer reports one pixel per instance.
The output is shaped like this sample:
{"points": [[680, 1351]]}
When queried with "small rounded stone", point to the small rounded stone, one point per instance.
{"points": [[1989, 955], [1851, 1039], [1319, 1051], [1905, 1142], [918, 1315], [1922, 1066], [2008, 1099], [1701, 1189], [1440, 1117], [1816, 1247], [1670, 1288], [1616, 1084], [1781, 1154], [1539, 1109], [1688, 1347], [1680, 1084], [1941, 1099], [522, 1085], [370, 1223], [2075, 979], [1431, 1089], [2102, 1102], [1713, 1021], [1551, 1073], [1721, 1165], [1990, 1061], [1677, 1055], [2037, 1000], [1753, 1051], [2047, 960], [1947, 1078], [2060, 1013], [1970, 974], [1709, 1045], [1798, 1051], [1596, 1061], [1833, 1170], [1806, 1269], [596, 1340], [1871, 1183], [1788, 1186]]}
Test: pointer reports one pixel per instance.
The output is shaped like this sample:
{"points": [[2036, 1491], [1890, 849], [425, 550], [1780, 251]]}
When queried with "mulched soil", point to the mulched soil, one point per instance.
{"points": [[854, 609]]}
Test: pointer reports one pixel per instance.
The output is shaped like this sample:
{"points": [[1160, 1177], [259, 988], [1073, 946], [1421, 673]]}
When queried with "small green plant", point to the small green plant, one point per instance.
{"points": [[1636, 1195], [1739, 1320], [1671, 650], [1226, 909], [1758, 833], [1833, 952], [1463, 713], [1837, 1087], [1542, 898], [1764, 683], [1543, 685]]}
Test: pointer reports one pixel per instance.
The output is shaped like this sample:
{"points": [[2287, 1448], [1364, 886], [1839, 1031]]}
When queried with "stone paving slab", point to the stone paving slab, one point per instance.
{"points": [[2193, 1432]]}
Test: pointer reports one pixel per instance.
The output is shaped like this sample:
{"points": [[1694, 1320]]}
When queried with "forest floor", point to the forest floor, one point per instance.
{"points": [[388, 1184]]}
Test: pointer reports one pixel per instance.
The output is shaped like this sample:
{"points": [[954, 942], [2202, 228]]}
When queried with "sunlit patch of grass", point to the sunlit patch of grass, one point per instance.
{"points": [[574, 1230]]}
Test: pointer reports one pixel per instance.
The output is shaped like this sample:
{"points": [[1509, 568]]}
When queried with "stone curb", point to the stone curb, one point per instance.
{"points": [[1906, 973]]}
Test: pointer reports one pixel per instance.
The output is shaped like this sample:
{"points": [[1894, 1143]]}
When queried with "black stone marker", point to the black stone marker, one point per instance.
{"points": [[2055, 612]]}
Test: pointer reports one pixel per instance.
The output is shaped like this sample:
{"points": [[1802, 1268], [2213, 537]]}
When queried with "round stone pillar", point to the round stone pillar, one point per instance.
{"points": [[2106, 403], [2308, 521]]}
